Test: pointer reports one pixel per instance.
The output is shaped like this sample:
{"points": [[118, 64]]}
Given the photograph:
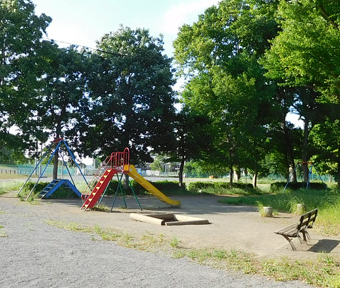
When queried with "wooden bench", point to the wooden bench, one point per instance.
{"points": [[294, 231]]}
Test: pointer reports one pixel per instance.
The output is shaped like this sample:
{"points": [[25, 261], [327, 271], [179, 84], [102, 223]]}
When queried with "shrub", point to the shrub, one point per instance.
{"points": [[221, 188], [277, 186], [61, 192], [166, 187]]}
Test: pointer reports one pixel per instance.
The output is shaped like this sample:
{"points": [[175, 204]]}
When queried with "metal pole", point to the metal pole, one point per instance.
{"points": [[49, 161]]}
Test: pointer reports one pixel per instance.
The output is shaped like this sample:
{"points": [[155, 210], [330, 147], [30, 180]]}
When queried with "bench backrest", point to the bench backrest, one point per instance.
{"points": [[307, 220]]}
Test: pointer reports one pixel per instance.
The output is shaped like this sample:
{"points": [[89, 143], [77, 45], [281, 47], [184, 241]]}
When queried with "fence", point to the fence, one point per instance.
{"points": [[27, 170]]}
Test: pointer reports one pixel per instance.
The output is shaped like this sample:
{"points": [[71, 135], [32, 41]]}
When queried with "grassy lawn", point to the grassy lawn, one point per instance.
{"points": [[327, 201], [12, 176]]}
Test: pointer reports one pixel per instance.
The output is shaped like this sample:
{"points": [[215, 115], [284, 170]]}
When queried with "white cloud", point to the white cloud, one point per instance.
{"points": [[185, 13]]}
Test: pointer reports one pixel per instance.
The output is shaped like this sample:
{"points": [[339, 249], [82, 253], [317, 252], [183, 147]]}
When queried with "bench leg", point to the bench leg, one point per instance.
{"points": [[290, 242], [305, 235]]}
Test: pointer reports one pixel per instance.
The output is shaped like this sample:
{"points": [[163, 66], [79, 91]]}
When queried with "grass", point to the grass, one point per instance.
{"points": [[146, 242], [327, 201], [6, 187], [12, 176], [322, 272]]}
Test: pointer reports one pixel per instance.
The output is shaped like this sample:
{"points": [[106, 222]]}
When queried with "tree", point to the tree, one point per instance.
{"points": [[192, 131], [132, 96], [220, 54], [20, 34], [303, 59], [62, 95], [325, 138], [306, 50]]}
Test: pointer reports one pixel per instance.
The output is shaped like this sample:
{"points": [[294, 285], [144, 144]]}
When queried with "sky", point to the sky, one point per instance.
{"points": [[83, 22]]}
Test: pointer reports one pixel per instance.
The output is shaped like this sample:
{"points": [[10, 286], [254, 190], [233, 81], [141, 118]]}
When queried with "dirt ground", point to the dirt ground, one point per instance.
{"points": [[231, 227]]}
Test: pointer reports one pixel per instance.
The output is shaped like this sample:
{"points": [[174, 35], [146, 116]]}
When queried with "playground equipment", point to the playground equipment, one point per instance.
{"points": [[118, 163], [56, 183], [310, 173]]}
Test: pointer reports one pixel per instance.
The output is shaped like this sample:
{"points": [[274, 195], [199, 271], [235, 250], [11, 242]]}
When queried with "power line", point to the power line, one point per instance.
{"points": [[87, 47]]}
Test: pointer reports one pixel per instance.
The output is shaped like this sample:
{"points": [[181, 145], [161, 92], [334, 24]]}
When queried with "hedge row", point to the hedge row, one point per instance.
{"points": [[201, 187], [167, 187], [274, 187]]}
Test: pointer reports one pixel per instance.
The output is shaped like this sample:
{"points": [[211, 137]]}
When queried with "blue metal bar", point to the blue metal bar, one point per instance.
{"points": [[35, 168], [42, 173], [74, 160], [309, 176]]}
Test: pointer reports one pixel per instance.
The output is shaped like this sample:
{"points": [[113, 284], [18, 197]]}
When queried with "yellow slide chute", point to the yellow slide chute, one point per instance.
{"points": [[131, 171]]}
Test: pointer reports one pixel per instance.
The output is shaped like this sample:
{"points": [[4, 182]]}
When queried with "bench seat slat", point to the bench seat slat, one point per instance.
{"points": [[291, 230]]}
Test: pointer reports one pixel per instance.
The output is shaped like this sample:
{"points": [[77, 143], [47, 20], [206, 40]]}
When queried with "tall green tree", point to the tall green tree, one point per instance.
{"points": [[303, 59], [193, 132], [220, 54], [62, 98], [325, 139], [132, 97], [20, 34]]}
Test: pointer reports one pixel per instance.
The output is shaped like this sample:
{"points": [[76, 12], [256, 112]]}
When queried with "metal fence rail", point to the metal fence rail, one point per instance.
{"points": [[27, 169]]}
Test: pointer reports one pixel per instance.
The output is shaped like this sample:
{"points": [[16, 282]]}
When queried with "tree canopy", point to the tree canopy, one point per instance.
{"points": [[247, 64], [132, 100]]}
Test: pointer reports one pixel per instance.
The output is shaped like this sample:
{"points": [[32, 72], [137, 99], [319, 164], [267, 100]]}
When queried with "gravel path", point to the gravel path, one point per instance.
{"points": [[35, 254]]}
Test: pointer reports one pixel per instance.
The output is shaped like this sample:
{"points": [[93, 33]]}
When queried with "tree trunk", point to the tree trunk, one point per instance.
{"points": [[55, 164], [180, 174], [255, 176], [290, 154], [56, 155], [237, 175], [338, 182], [231, 177], [305, 152]]}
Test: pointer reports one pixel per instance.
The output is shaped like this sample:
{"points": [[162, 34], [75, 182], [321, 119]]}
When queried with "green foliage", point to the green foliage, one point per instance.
{"points": [[279, 186], [166, 187], [220, 53], [222, 188], [194, 170], [61, 193], [132, 97], [9, 186], [303, 53], [327, 201], [20, 34]]}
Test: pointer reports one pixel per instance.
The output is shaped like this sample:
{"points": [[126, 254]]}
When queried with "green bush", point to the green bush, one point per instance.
{"points": [[278, 186], [288, 200], [60, 193], [221, 188], [166, 187]]}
